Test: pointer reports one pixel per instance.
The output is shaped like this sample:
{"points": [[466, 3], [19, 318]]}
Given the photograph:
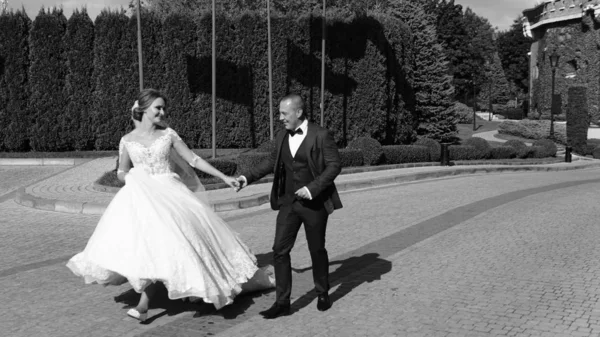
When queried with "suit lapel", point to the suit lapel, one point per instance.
{"points": [[310, 139]]}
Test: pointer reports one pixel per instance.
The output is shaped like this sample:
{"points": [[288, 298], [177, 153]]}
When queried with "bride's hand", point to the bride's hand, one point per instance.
{"points": [[232, 182]]}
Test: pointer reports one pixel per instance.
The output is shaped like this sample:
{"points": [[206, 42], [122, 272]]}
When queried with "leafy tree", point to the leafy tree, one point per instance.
{"points": [[432, 84], [513, 47]]}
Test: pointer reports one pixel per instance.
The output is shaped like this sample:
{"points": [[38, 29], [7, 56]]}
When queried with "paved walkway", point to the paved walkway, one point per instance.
{"points": [[514, 254], [72, 190]]}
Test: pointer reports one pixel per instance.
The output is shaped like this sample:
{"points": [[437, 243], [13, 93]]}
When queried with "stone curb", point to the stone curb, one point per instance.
{"points": [[42, 161], [28, 200]]}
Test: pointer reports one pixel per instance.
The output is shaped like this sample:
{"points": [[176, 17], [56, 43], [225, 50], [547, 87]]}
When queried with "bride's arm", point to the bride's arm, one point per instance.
{"points": [[124, 161], [184, 151]]}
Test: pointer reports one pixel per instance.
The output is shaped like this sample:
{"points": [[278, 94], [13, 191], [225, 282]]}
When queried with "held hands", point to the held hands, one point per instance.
{"points": [[232, 182], [241, 183]]}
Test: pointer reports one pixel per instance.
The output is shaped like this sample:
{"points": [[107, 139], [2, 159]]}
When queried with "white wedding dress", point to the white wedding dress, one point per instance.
{"points": [[156, 229]]}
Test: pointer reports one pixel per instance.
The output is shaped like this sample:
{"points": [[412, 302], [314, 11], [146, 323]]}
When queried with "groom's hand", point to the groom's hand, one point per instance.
{"points": [[242, 182], [303, 193]]}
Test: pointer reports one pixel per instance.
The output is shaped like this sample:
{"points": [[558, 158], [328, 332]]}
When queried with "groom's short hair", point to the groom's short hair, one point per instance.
{"points": [[296, 100]]}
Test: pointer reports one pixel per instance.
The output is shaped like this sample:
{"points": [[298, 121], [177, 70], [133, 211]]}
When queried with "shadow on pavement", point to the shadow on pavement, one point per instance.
{"points": [[351, 273], [175, 307]]}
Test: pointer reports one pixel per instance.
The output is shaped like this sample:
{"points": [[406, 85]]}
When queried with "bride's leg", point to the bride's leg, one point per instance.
{"points": [[147, 294]]}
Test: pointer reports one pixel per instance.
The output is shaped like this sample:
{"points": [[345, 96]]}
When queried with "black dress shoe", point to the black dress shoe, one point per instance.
{"points": [[323, 303], [275, 311]]}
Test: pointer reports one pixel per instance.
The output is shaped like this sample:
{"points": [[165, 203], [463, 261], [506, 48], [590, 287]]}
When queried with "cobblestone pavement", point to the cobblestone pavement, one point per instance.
{"points": [[13, 177], [499, 254]]}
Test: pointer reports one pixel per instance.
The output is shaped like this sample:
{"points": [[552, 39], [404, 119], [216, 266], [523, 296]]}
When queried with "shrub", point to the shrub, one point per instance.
{"points": [[503, 152], [592, 143], [351, 157], [463, 112], [531, 129], [268, 146], [434, 147], [516, 144], [399, 154], [596, 152], [371, 149], [463, 152], [246, 161], [481, 146], [228, 167], [548, 146]]}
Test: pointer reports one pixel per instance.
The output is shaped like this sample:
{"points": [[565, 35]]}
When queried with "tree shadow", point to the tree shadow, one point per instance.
{"points": [[362, 269], [130, 298]]}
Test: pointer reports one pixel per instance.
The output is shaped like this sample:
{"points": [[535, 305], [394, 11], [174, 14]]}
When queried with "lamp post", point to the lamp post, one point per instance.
{"points": [[323, 68], [554, 64], [474, 105], [139, 43]]}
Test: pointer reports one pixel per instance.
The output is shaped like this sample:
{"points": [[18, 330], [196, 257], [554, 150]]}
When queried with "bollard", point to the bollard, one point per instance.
{"points": [[568, 150], [445, 160]]}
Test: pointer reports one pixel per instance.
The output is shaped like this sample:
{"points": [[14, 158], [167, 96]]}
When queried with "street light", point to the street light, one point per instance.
{"points": [[554, 64]]}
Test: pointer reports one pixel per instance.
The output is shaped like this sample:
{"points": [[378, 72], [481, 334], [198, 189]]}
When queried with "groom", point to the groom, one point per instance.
{"points": [[305, 163]]}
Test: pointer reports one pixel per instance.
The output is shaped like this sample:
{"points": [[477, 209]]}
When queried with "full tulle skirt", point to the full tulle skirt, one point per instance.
{"points": [[156, 229]]}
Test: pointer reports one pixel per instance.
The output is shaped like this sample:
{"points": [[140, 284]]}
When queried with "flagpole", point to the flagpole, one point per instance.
{"points": [[323, 69], [214, 83], [139, 37], [270, 69]]}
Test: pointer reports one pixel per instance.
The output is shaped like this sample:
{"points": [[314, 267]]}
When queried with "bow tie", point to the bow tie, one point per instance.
{"points": [[297, 132]]}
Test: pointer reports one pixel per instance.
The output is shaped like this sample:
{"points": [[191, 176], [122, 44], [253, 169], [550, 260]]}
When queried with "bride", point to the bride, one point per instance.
{"points": [[156, 229]]}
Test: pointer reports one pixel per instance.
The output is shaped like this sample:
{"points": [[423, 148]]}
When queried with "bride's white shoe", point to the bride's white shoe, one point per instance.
{"points": [[137, 315]]}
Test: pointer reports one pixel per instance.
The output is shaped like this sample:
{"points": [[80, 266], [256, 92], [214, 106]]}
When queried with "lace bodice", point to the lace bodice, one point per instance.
{"points": [[153, 159]]}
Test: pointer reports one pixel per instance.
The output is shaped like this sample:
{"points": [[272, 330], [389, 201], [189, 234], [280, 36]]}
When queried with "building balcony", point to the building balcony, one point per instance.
{"points": [[551, 11]]}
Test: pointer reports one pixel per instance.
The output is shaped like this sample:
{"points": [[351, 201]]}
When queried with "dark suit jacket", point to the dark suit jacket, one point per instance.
{"points": [[323, 160]]}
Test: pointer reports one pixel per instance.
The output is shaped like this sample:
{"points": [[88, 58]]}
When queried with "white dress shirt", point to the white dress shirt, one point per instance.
{"points": [[296, 140]]}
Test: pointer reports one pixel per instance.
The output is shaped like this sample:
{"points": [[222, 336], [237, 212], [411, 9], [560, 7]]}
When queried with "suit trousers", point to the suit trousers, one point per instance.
{"points": [[289, 219]]}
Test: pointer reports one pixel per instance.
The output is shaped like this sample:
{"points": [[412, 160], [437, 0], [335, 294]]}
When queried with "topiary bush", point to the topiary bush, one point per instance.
{"points": [[228, 167], [503, 152], [372, 151], [596, 152], [399, 154], [351, 157], [548, 147], [246, 161], [515, 143], [481, 146], [435, 148], [268, 146], [463, 152]]}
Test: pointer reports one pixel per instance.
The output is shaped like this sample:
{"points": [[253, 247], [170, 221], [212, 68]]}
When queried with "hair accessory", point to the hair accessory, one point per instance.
{"points": [[135, 105]]}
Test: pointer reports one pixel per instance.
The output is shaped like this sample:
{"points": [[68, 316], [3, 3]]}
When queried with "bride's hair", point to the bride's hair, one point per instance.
{"points": [[145, 99]]}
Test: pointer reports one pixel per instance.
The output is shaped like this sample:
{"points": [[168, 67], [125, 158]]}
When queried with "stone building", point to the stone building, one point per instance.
{"points": [[571, 28]]}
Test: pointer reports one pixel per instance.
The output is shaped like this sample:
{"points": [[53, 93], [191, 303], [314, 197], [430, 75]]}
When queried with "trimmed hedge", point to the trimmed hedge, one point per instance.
{"points": [[268, 146], [481, 146], [596, 152], [515, 143], [578, 119], [14, 82], [534, 129], [77, 130], [435, 148], [115, 84], [548, 146], [503, 152], [371, 149], [246, 161], [351, 157], [47, 80], [463, 152], [400, 154], [228, 167]]}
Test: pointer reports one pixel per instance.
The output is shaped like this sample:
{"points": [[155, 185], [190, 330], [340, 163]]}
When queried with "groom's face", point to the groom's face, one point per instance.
{"points": [[290, 115]]}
